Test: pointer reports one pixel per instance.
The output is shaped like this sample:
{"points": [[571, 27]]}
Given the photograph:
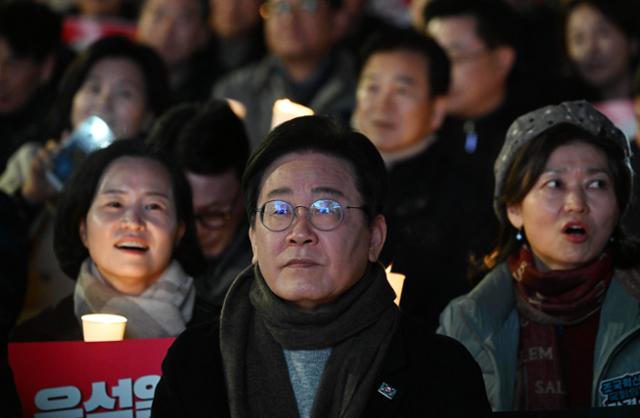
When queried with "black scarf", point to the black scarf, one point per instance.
{"points": [[256, 325]]}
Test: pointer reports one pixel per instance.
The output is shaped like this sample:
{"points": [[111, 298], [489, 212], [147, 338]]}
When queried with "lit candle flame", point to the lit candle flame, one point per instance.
{"points": [[285, 109], [237, 107], [396, 280]]}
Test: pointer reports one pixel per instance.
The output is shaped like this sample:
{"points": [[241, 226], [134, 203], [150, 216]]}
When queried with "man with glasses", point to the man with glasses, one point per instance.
{"points": [[482, 40], [210, 143], [311, 330], [302, 64]]}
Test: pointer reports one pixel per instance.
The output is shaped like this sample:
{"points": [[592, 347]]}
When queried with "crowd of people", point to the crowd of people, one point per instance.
{"points": [[486, 149]]}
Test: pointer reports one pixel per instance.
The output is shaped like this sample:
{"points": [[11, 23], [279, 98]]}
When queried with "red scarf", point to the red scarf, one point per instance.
{"points": [[544, 300]]}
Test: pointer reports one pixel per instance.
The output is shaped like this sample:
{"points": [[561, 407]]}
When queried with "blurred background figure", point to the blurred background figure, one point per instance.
{"points": [[601, 41], [86, 21], [482, 40], [124, 231], [117, 79], [400, 104], [105, 8], [238, 33], [210, 145], [554, 324], [360, 24], [30, 58], [179, 31], [303, 65]]}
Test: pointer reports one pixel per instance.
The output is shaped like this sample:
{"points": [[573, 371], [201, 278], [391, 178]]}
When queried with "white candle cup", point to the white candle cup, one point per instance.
{"points": [[103, 327], [285, 109], [396, 280]]}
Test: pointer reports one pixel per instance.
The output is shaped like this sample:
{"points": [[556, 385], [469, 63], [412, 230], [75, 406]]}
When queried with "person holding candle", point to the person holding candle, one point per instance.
{"points": [[125, 231], [554, 325], [304, 64], [121, 81], [310, 329]]}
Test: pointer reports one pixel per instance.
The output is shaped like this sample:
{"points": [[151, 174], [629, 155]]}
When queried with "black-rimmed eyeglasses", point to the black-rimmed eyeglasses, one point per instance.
{"points": [[323, 214]]}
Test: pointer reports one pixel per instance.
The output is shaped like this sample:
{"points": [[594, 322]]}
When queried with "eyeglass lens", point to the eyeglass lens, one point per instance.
{"points": [[324, 214]]}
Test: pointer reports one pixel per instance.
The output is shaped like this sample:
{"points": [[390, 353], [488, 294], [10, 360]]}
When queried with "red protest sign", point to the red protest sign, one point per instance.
{"points": [[78, 379]]}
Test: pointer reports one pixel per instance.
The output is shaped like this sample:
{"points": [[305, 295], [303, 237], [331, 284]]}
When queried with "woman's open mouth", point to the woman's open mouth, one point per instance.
{"points": [[134, 246], [575, 232]]}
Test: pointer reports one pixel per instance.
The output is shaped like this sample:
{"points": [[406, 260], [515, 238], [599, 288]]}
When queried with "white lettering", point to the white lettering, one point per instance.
{"points": [[538, 353], [549, 388]]}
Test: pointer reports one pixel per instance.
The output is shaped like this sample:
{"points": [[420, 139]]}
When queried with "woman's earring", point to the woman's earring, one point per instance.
{"points": [[519, 235]]}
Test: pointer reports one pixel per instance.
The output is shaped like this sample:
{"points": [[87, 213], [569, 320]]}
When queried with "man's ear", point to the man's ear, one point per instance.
{"points": [[514, 213], [378, 229], [506, 58], [254, 246]]}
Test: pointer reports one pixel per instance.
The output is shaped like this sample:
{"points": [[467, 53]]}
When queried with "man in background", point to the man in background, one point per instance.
{"points": [[481, 39], [302, 65], [29, 44], [179, 31], [209, 142], [400, 104]]}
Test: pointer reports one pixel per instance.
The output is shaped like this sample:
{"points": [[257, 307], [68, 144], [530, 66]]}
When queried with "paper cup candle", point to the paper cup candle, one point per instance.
{"points": [[103, 327]]}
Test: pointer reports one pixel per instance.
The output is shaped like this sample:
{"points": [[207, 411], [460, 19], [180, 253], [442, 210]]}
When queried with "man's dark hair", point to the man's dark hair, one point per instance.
{"points": [[78, 195], [146, 59], [436, 60], [497, 23], [206, 139], [324, 135], [32, 29]]}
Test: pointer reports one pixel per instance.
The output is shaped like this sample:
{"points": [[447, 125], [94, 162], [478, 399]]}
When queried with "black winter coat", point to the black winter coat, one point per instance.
{"points": [[434, 376]]}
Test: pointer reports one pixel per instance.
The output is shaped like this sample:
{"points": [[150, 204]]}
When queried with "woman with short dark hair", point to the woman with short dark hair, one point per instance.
{"points": [[121, 81], [125, 232]]}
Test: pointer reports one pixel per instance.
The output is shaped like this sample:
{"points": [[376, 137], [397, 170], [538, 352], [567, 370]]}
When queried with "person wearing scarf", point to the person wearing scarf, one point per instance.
{"points": [[554, 325], [124, 224], [310, 329]]}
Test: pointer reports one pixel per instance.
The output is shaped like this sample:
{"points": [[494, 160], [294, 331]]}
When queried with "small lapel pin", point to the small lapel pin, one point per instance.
{"points": [[387, 391]]}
